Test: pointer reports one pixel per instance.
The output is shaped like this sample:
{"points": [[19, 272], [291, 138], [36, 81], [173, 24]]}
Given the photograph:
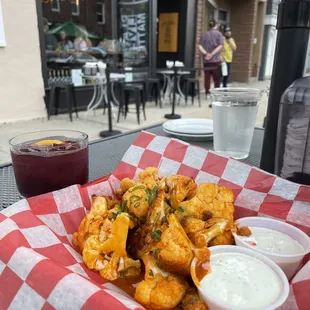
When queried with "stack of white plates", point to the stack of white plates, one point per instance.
{"points": [[193, 128]]}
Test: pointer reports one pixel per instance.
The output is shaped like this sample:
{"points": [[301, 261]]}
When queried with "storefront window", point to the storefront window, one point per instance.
{"points": [[80, 31], [134, 30]]}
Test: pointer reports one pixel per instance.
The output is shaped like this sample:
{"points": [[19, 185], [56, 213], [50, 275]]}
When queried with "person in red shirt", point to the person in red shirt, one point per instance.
{"points": [[211, 44]]}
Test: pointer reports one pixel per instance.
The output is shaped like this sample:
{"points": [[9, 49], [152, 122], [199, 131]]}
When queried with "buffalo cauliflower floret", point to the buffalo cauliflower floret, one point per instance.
{"points": [[159, 289], [137, 200], [209, 201], [92, 222], [149, 177], [109, 257], [179, 188]]}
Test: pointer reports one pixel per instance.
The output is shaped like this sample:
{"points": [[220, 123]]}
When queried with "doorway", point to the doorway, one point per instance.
{"points": [[258, 38], [171, 17]]}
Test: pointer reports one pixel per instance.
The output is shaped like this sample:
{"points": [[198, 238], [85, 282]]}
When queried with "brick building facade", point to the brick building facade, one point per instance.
{"points": [[246, 18], [58, 12]]}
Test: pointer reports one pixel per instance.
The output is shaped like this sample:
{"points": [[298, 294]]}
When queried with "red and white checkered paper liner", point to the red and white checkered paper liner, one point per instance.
{"points": [[39, 267]]}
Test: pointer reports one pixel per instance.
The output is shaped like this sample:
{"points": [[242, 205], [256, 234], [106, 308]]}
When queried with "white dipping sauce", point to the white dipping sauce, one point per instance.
{"points": [[273, 241], [241, 281]]}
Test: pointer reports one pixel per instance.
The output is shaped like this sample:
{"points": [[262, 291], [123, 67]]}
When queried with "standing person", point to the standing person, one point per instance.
{"points": [[227, 53], [50, 40], [211, 44]]}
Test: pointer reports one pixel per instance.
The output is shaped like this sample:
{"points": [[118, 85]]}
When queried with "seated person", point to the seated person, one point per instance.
{"points": [[64, 44], [82, 43]]}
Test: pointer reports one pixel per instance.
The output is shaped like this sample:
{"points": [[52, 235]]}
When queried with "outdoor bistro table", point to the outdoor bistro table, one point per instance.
{"points": [[100, 92], [169, 83], [105, 154]]}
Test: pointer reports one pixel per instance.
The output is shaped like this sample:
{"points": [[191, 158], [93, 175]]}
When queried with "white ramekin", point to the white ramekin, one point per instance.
{"points": [[289, 263], [215, 304]]}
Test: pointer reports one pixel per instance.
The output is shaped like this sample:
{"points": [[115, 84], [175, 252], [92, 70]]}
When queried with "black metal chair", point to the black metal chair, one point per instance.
{"points": [[192, 85], [55, 95], [153, 88], [135, 89], [139, 95]]}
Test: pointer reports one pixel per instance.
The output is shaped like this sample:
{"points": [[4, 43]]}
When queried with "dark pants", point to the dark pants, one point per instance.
{"points": [[225, 78], [215, 73]]}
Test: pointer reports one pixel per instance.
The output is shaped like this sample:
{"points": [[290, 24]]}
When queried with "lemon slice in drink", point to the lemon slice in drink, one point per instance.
{"points": [[48, 142]]}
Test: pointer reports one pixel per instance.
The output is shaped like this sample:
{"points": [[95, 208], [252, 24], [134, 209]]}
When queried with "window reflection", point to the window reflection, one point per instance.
{"points": [[80, 31]]}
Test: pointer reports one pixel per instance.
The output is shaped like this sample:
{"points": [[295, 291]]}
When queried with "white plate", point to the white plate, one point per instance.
{"points": [[190, 126], [191, 137]]}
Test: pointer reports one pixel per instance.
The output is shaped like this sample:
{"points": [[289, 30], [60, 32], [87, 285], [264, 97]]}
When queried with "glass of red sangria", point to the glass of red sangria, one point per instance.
{"points": [[46, 161]]}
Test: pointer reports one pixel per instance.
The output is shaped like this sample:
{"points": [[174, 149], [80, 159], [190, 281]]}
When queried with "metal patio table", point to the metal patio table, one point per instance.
{"points": [[105, 154]]}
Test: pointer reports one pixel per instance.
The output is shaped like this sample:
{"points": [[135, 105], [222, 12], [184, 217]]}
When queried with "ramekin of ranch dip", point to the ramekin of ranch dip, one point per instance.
{"points": [[240, 278], [285, 244]]}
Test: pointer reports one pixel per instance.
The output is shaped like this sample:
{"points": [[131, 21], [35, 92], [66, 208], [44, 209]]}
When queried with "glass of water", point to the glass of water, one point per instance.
{"points": [[234, 113]]}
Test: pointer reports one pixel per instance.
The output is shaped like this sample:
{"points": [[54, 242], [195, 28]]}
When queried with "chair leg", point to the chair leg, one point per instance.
{"points": [[120, 108], [74, 101], [127, 95], [198, 90], [159, 94], [155, 93], [137, 99], [186, 91], [104, 105], [69, 102], [57, 99], [51, 102], [143, 106], [193, 92]]}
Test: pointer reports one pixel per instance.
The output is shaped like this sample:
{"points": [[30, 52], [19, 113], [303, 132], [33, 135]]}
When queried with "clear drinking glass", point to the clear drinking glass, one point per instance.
{"points": [[46, 161], [234, 113]]}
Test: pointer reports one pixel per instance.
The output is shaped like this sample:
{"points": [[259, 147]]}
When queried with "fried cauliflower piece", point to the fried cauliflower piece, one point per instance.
{"points": [[137, 200], [203, 237], [180, 188], [145, 238], [192, 301], [159, 289], [124, 187], [226, 238], [149, 177], [174, 251], [210, 201], [92, 222], [109, 257], [209, 231]]}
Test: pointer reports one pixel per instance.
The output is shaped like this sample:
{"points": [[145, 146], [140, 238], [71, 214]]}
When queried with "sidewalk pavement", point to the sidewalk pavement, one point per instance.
{"points": [[94, 122]]}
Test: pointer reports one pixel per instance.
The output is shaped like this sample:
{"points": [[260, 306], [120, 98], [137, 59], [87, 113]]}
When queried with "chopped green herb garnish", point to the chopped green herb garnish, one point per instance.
{"points": [[164, 219], [115, 215], [122, 274], [134, 198], [156, 234], [181, 209], [156, 218], [123, 207], [151, 194], [151, 273], [138, 187], [136, 205], [154, 252], [189, 216]]}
